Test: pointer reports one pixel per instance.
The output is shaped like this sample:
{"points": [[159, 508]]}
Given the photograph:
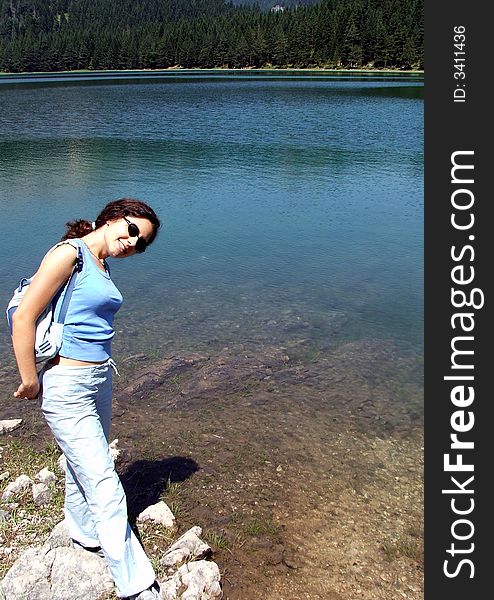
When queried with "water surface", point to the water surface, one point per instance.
{"points": [[292, 205]]}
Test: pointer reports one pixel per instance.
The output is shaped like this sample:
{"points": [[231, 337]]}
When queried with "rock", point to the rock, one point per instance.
{"points": [[114, 451], [77, 574], [4, 475], [291, 562], [198, 580], [134, 357], [154, 375], [17, 486], [158, 513], [4, 515], [295, 325], [41, 494], [59, 571], [203, 376], [275, 556], [28, 577], [62, 463], [59, 574], [58, 538], [188, 547], [46, 476], [8, 425]]}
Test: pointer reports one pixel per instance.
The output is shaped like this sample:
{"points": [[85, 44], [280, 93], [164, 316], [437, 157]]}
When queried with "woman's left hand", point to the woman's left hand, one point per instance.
{"points": [[28, 391]]}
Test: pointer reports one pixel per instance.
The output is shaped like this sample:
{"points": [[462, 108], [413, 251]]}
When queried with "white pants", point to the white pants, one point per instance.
{"points": [[77, 407]]}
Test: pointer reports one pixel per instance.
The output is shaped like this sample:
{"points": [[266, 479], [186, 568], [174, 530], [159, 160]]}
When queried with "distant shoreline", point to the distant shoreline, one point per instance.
{"points": [[319, 70]]}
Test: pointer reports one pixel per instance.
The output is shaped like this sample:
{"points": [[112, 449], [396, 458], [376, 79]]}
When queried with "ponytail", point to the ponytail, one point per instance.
{"points": [[77, 229]]}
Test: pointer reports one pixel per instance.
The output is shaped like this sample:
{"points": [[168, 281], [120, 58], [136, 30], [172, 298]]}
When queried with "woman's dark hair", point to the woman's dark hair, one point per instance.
{"points": [[125, 207]]}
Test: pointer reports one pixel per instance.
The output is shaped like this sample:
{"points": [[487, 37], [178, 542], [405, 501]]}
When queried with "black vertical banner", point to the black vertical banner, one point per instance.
{"points": [[459, 405]]}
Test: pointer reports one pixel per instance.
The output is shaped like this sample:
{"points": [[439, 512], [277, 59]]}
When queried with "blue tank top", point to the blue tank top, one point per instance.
{"points": [[88, 326]]}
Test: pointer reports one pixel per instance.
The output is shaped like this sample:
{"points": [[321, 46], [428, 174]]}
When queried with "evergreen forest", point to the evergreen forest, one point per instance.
{"points": [[65, 35]]}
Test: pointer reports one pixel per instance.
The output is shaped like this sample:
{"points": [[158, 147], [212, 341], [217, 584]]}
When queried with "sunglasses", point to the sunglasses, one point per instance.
{"points": [[134, 231]]}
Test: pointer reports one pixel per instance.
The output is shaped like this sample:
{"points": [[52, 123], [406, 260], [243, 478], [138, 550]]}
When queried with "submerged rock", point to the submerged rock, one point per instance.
{"points": [[156, 374], [194, 376]]}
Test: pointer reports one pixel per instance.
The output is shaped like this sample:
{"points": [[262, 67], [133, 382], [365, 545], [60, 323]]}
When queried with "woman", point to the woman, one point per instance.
{"points": [[77, 383]]}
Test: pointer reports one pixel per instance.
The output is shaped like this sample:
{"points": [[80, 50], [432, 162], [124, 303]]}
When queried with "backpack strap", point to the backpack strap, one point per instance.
{"points": [[71, 281]]}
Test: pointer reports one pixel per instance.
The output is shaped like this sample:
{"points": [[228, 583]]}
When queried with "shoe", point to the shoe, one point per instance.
{"points": [[93, 549], [152, 593]]}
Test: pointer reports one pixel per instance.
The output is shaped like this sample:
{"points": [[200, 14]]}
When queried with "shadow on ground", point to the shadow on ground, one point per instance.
{"points": [[144, 481]]}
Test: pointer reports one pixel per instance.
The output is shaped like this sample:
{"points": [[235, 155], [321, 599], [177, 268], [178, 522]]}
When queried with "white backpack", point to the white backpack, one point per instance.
{"points": [[49, 326]]}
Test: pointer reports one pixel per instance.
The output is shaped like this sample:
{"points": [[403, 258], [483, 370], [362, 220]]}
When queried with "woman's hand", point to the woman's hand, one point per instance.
{"points": [[28, 391]]}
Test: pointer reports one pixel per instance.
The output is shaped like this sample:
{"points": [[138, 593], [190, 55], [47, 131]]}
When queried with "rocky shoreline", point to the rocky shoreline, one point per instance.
{"points": [[61, 570]]}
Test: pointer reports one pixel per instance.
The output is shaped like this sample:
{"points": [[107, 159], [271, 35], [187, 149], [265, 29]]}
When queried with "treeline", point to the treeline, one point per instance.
{"points": [[267, 4], [57, 35]]}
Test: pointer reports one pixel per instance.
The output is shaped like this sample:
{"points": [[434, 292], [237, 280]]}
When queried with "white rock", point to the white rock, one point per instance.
{"points": [[195, 531], [4, 475], [58, 538], [201, 580], [189, 546], [77, 574], [41, 494], [46, 476], [170, 587], [158, 513], [59, 574], [17, 486], [57, 571], [114, 451], [7, 425], [175, 558], [28, 576], [62, 463]]}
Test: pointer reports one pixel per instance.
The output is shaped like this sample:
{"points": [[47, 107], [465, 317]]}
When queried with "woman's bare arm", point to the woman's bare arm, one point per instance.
{"points": [[51, 275]]}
